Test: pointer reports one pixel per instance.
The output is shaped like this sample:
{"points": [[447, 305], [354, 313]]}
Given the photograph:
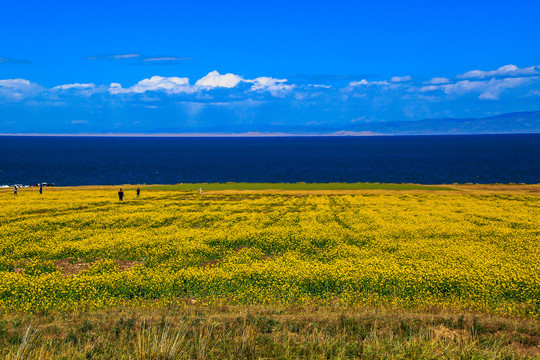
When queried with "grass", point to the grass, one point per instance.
{"points": [[292, 186], [258, 332]]}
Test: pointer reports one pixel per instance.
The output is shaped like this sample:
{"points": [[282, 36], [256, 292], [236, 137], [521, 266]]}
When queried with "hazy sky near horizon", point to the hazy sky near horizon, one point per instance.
{"points": [[234, 66]]}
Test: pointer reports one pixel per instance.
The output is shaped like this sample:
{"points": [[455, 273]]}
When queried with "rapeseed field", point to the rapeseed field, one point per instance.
{"points": [[83, 249]]}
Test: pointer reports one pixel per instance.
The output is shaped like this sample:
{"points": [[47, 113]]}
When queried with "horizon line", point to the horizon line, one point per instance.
{"points": [[244, 134], [249, 134]]}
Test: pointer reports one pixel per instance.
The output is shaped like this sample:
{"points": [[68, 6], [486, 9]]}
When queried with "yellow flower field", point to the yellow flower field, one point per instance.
{"points": [[82, 248]]}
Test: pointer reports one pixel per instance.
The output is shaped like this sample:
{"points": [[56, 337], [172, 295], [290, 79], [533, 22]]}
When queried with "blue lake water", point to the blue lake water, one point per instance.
{"points": [[397, 159]]}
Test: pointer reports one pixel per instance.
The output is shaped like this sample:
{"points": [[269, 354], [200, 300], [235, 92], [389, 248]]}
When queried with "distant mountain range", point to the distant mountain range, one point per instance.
{"points": [[511, 123], [519, 122]]}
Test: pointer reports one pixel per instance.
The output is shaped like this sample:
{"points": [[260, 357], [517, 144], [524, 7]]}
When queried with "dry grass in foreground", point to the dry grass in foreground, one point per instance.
{"points": [[267, 333]]}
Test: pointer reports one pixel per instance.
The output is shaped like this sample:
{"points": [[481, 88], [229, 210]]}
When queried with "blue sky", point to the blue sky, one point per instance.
{"points": [[237, 66]]}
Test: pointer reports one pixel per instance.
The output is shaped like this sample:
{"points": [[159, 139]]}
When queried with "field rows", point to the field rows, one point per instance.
{"points": [[73, 248]]}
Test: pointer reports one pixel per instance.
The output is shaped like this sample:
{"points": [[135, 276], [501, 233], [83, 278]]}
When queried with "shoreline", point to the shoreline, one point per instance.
{"points": [[254, 134], [307, 188]]}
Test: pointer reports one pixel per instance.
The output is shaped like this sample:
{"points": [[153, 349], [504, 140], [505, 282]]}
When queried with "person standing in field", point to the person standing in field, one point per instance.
{"points": [[15, 190], [138, 192], [41, 188], [121, 195]]}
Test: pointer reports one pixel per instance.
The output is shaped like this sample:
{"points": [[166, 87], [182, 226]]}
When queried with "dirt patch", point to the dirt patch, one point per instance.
{"points": [[68, 267], [442, 332], [210, 264], [127, 264]]}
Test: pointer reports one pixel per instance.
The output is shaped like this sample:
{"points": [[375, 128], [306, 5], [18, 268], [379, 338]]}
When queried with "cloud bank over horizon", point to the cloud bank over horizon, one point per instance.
{"points": [[230, 102]]}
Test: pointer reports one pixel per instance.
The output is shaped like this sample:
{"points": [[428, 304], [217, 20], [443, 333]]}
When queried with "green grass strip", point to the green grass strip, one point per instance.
{"points": [[293, 186]]}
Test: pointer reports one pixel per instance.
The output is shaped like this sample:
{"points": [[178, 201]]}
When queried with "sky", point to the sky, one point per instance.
{"points": [[251, 66]]}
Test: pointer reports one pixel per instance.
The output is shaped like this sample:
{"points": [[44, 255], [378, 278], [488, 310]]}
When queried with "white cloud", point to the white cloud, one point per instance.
{"points": [[438, 80], [165, 58], [358, 88], [496, 86], [79, 122], [116, 88], [398, 79], [234, 87], [429, 88], [276, 87], [359, 83], [264, 82], [114, 57], [74, 86], [17, 89], [503, 71], [214, 79], [175, 85], [488, 90], [170, 85], [125, 56], [364, 82], [15, 83]]}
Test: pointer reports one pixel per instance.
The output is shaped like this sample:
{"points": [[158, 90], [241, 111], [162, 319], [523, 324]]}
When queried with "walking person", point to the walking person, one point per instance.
{"points": [[138, 192], [41, 188], [15, 190], [121, 195]]}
